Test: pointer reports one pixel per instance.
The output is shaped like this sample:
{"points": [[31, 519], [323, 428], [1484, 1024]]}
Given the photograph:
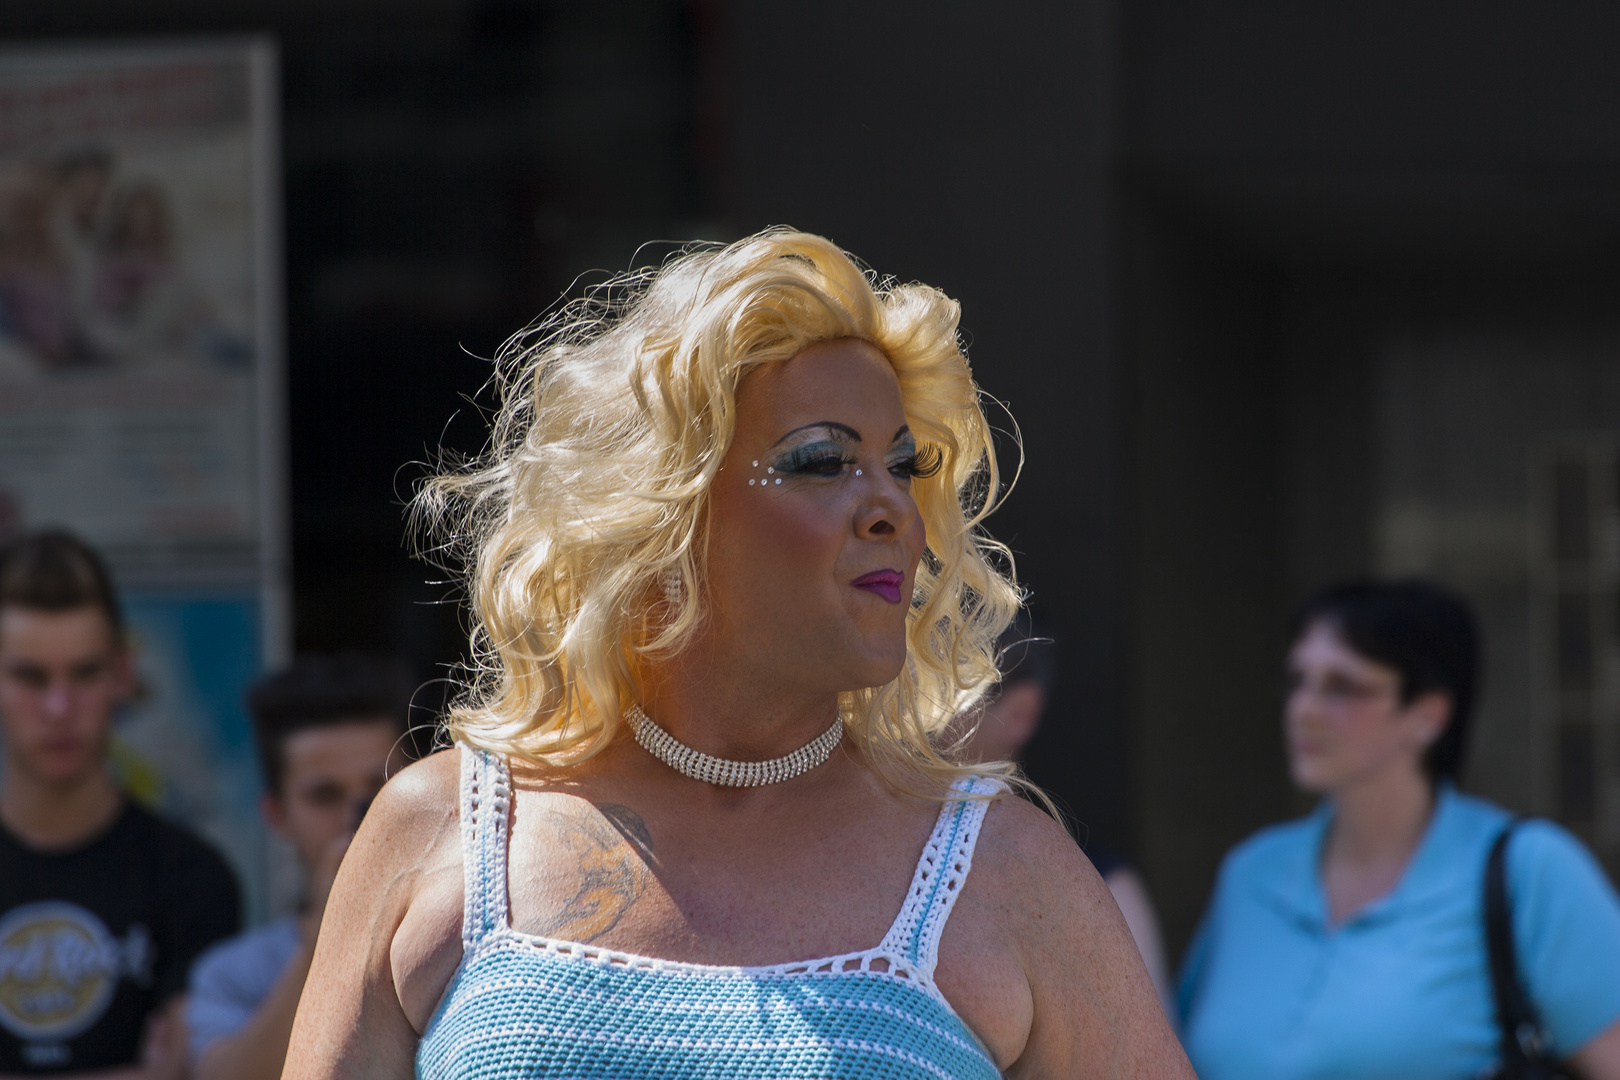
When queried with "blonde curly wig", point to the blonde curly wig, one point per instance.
{"points": [[613, 418]]}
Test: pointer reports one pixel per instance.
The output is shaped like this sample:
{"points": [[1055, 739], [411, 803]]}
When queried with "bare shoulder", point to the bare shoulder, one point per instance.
{"points": [[1050, 900], [412, 831], [409, 841], [422, 795], [1090, 997], [1031, 856], [412, 824], [353, 1020]]}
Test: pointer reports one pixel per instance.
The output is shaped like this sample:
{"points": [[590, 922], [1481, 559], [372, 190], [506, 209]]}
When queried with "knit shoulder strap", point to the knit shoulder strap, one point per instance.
{"points": [[941, 872], [485, 798]]}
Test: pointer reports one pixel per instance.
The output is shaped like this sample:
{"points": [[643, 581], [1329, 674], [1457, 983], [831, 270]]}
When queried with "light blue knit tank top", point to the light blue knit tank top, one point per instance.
{"points": [[521, 1006]]}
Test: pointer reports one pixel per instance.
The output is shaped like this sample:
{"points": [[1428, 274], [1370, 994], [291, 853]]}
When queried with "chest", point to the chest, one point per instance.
{"points": [[750, 895], [82, 940], [707, 890], [70, 922], [1400, 992], [117, 885], [1349, 889], [600, 1019]]}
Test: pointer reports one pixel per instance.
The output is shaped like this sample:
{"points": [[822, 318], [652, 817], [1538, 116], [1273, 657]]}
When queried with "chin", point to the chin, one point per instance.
{"points": [[1310, 778], [60, 774], [876, 670]]}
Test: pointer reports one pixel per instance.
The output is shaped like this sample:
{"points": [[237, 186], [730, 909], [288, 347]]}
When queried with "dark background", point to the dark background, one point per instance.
{"points": [[1208, 254]]}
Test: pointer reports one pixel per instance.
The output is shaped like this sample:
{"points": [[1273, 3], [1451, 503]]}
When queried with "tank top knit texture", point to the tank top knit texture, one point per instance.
{"points": [[533, 1007]]}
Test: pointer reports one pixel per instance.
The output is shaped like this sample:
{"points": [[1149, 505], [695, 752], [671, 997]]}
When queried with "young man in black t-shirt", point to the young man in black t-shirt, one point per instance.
{"points": [[103, 906]]}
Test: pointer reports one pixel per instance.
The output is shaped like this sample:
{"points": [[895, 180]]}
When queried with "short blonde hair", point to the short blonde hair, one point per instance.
{"points": [[614, 416]]}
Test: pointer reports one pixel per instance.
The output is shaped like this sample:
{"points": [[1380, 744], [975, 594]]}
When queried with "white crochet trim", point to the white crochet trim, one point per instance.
{"points": [[909, 951], [940, 874], [485, 811]]}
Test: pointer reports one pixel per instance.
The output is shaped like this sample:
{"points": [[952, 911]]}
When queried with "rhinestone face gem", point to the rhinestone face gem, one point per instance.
{"points": [[723, 772]]}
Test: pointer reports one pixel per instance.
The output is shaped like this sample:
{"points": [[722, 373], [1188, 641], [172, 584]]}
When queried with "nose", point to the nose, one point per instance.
{"points": [[886, 509], [1303, 702], [58, 700]]}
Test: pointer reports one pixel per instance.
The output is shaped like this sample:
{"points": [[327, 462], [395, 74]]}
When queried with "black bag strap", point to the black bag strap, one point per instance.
{"points": [[1522, 1041]]}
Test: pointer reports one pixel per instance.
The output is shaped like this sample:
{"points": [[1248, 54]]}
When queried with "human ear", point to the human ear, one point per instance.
{"points": [[1429, 713], [1023, 704]]}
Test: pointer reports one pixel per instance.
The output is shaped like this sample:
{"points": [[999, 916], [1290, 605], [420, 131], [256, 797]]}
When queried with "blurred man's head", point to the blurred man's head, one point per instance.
{"points": [[1012, 711], [328, 731], [64, 670]]}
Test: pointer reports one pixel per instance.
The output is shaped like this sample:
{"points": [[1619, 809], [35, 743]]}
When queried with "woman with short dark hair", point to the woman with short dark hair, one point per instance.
{"points": [[1352, 943]]}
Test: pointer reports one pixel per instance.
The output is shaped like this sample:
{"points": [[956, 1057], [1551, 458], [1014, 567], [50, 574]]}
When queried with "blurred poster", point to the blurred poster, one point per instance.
{"points": [[141, 374], [185, 746]]}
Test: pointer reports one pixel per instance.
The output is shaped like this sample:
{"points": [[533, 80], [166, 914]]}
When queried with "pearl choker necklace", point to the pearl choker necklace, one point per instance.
{"points": [[712, 770]]}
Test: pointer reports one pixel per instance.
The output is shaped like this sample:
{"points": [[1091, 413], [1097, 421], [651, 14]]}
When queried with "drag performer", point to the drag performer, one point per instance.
{"points": [[725, 559]]}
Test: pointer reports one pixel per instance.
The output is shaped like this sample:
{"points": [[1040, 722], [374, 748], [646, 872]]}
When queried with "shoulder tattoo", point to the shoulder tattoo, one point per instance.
{"points": [[609, 847]]}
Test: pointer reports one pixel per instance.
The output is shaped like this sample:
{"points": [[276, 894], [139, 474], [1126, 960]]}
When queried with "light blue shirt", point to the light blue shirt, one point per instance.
{"points": [[231, 980], [1402, 990]]}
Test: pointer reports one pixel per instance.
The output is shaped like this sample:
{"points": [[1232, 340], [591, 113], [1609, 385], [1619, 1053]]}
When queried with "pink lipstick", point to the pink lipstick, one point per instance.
{"points": [[886, 583]]}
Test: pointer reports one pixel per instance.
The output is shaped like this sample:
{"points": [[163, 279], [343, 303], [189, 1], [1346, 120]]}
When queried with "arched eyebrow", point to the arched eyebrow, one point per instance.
{"points": [[833, 426], [836, 428]]}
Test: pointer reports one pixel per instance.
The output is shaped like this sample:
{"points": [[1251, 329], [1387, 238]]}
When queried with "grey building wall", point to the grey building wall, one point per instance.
{"points": [[973, 147]]}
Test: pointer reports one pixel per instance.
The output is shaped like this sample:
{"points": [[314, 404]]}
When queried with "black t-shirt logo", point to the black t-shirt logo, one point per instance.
{"points": [[59, 967]]}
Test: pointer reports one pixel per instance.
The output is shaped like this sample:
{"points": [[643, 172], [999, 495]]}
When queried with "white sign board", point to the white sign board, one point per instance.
{"points": [[141, 377]]}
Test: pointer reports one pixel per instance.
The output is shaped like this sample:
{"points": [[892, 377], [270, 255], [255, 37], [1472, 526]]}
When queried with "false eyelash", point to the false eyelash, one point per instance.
{"points": [[809, 460], [927, 461]]}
